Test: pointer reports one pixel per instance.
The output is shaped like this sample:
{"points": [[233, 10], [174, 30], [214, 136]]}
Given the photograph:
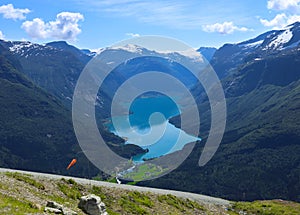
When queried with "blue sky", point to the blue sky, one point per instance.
{"points": [[100, 23]]}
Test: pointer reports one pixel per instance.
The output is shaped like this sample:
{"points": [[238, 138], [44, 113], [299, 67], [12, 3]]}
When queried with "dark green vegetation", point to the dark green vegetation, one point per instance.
{"points": [[275, 207], [259, 155], [10, 205], [35, 128]]}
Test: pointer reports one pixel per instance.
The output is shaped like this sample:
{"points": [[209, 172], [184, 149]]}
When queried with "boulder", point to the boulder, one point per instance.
{"points": [[66, 211], [53, 210], [54, 207], [92, 205]]}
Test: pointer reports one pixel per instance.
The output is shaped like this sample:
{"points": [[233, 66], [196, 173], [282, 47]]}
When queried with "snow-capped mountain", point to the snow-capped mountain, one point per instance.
{"points": [[137, 50], [288, 37], [27, 49], [230, 56], [137, 59], [54, 66]]}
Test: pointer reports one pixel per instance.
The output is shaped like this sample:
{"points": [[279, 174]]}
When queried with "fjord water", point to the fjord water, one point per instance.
{"points": [[150, 128]]}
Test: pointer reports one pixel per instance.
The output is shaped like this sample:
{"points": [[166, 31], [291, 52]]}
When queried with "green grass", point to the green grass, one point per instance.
{"points": [[70, 188], [131, 183], [275, 207], [112, 180], [178, 203], [16, 207], [144, 171], [131, 207], [141, 198], [27, 179], [98, 191]]}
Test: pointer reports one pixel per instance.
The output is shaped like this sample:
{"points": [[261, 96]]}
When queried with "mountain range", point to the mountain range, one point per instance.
{"points": [[259, 154]]}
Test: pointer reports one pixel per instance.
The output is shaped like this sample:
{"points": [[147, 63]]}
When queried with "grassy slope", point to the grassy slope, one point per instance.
{"points": [[21, 194]]}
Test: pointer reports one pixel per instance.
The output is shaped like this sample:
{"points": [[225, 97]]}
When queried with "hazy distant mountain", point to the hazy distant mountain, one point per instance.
{"points": [[207, 52], [132, 59]]}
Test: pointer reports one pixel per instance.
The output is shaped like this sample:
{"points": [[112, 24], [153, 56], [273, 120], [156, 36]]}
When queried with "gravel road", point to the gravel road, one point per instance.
{"points": [[192, 196]]}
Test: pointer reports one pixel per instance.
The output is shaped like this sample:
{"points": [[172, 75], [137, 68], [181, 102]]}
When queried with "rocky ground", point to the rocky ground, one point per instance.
{"points": [[26, 194]]}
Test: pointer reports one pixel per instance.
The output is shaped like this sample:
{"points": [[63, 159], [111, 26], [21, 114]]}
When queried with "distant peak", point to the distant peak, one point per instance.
{"points": [[129, 48], [206, 48], [58, 44], [295, 24]]}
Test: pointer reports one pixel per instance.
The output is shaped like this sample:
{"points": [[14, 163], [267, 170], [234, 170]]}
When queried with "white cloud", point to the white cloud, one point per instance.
{"points": [[223, 28], [36, 28], [9, 12], [280, 21], [289, 5], [1, 35], [133, 35], [64, 27]]}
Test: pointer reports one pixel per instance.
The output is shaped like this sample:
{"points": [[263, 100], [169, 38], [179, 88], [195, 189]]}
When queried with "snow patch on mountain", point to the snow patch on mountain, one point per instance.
{"points": [[22, 47], [254, 44], [129, 48], [27, 48], [279, 41], [189, 53]]}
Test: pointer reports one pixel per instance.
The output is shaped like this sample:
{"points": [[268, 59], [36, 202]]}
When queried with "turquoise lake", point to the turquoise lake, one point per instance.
{"points": [[149, 127]]}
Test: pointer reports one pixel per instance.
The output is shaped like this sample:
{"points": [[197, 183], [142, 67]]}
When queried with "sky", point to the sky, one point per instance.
{"points": [[96, 24]]}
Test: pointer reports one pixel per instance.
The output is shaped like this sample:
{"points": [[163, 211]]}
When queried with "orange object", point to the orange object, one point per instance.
{"points": [[72, 163]]}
